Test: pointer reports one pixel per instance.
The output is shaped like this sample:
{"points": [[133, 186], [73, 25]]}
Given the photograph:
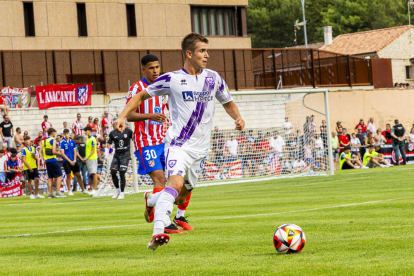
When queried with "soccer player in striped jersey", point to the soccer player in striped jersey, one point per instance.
{"points": [[192, 91], [148, 140]]}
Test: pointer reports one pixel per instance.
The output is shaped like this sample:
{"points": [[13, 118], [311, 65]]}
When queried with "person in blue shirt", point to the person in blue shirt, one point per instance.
{"points": [[12, 167], [68, 151]]}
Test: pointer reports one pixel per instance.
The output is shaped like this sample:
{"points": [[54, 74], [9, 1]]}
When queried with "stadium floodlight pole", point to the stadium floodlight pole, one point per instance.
{"points": [[304, 23]]}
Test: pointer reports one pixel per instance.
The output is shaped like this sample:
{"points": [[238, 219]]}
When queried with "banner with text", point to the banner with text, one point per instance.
{"points": [[56, 95], [11, 188], [389, 153], [16, 97]]}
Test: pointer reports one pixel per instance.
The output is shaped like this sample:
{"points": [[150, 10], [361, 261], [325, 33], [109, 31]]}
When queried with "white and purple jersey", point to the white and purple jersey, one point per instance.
{"points": [[191, 102]]}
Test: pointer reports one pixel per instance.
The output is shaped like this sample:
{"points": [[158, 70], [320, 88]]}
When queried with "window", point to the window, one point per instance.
{"points": [[219, 21], [82, 26], [29, 25], [131, 22], [407, 72]]}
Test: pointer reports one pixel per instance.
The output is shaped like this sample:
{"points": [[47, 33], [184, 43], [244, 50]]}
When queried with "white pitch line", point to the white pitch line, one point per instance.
{"points": [[307, 210], [66, 231]]}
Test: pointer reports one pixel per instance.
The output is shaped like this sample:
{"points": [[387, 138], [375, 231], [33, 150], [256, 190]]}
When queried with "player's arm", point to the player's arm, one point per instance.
{"points": [[135, 101], [62, 154], [139, 117], [75, 151], [26, 164], [233, 111], [92, 152], [54, 149]]}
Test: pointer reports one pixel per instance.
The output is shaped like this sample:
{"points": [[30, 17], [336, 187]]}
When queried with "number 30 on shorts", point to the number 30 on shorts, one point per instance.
{"points": [[150, 154]]}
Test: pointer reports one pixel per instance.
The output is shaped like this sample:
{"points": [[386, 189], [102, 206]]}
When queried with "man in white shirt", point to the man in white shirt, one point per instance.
{"points": [[65, 126], [232, 145], [191, 92], [287, 126], [371, 126], [277, 143], [299, 166]]}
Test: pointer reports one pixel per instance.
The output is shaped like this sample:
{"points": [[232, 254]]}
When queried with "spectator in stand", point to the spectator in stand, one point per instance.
{"points": [[319, 151], [3, 167], [65, 126], [218, 149], [313, 124], [338, 128], [98, 127], [81, 150], [343, 140], [106, 123], [4, 148], [363, 127], [7, 131], [335, 147], [287, 127], [18, 138], [307, 126], [287, 166], [232, 146], [371, 126], [92, 125], [373, 159], [299, 166], [397, 85], [250, 137], [77, 126], [323, 128], [39, 138], [370, 138], [307, 151], [291, 144], [248, 157], [12, 167], [361, 139], [46, 125], [216, 134], [355, 143], [347, 161], [410, 136], [387, 134], [379, 140], [18, 150], [277, 144], [242, 138], [3, 105]]}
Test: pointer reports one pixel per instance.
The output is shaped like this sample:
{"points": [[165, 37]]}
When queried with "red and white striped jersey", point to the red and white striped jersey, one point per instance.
{"points": [[77, 126], [148, 132], [46, 125]]}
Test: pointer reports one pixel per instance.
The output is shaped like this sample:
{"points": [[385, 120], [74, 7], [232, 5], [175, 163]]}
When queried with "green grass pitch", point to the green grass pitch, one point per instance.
{"points": [[356, 223]]}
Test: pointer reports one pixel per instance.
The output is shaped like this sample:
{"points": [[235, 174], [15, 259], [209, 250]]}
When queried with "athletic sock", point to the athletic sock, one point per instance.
{"points": [[164, 209], [181, 208], [157, 190], [153, 199], [123, 181], [115, 178], [118, 190]]}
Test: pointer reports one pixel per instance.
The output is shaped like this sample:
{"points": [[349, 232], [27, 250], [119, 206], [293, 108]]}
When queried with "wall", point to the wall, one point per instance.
{"points": [[160, 25], [262, 110], [401, 50]]}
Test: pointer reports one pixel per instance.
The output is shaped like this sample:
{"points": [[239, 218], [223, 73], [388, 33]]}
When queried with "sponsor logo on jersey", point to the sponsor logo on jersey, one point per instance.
{"points": [[183, 82], [82, 94], [194, 96], [172, 163]]}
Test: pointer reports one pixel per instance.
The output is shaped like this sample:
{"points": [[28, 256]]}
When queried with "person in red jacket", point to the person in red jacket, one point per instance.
{"points": [[363, 127], [343, 140]]}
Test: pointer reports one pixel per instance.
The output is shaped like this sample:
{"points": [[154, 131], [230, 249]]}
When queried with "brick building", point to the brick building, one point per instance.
{"points": [[396, 43]]}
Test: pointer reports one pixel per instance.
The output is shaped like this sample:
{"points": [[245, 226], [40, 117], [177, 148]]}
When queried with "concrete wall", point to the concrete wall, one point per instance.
{"points": [[400, 51], [262, 110], [161, 24]]}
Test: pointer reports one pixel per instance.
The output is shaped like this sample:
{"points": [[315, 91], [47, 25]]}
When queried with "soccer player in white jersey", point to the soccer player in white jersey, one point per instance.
{"points": [[191, 92]]}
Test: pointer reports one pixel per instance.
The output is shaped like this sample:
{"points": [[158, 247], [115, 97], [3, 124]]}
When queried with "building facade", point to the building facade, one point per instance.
{"points": [[120, 24]]}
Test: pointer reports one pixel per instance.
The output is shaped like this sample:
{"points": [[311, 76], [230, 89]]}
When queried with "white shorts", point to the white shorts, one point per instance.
{"points": [[184, 163]]}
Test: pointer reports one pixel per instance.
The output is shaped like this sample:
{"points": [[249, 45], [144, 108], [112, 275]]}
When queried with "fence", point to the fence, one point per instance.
{"points": [[110, 70]]}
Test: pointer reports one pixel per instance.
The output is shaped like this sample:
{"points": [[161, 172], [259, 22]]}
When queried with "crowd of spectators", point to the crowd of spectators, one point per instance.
{"points": [[403, 85]]}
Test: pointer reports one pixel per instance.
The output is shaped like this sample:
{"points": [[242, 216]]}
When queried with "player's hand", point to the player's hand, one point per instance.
{"points": [[240, 124], [119, 125], [158, 117], [31, 170]]}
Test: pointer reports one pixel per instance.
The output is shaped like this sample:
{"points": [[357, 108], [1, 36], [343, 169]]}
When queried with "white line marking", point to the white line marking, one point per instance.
{"points": [[65, 231], [306, 210]]}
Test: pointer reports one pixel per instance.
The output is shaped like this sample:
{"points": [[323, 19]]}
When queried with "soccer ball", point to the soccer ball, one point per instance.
{"points": [[289, 238]]}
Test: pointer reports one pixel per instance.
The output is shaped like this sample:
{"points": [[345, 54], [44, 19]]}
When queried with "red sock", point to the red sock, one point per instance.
{"points": [[157, 190], [185, 205]]}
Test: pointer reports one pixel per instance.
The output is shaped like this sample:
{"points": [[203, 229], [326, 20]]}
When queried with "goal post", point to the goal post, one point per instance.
{"points": [[258, 153]]}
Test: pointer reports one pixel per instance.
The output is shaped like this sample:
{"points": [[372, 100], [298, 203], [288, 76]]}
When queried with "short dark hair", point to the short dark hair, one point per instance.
{"points": [[65, 131], [148, 58], [347, 148], [87, 128], [51, 130], [17, 128], [190, 40], [26, 138]]}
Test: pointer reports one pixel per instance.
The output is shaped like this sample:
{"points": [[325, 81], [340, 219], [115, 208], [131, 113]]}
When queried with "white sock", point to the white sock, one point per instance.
{"points": [[118, 190], [153, 199], [122, 193], [180, 213], [163, 212]]}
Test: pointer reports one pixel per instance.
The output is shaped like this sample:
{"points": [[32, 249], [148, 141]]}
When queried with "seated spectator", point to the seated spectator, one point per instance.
{"points": [[379, 140], [216, 134], [347, 161], [242, 138], [396, 85], [250, 136], [319, 151], [370, 138], [355, 143], [373, 159], [232, 146], [299, 166], [287, 166], [307, 150], [248, 153], [410, 136], [13, 167], [361, 139], [363, 127], [291, 144], [343, 140], [387, 134], [218, 150]]}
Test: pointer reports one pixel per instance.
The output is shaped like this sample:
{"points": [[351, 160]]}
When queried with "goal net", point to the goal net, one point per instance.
{"points": [[287, 134]]}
